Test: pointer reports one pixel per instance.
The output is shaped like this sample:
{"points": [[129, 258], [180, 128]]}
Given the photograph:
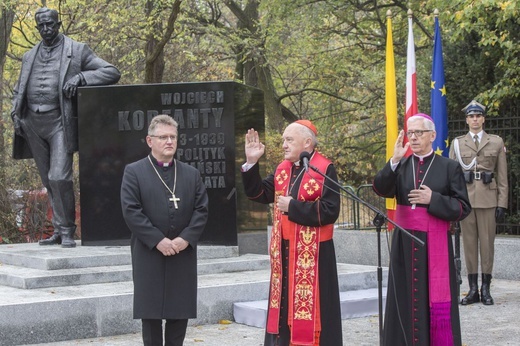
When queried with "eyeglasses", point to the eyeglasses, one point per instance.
{"points": [[417, 133], [165, 138]]}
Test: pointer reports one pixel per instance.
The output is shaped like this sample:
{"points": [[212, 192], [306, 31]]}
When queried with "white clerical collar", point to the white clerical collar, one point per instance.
{"points": [[160, 163], [421, 158]]}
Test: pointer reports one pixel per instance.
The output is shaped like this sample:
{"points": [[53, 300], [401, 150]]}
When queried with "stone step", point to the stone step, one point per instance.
{"points": [[54, 257], [354, 304], [74, 312], [30, 278], [232, 264], [72, 304], [52, 314], [361, 303], [236, 286]]}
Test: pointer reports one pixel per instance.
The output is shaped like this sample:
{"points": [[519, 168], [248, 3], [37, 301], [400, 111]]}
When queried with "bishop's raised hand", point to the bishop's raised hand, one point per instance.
{"points": [[254, 149]]}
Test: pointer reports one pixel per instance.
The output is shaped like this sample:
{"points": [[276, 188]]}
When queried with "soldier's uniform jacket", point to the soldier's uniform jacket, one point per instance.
{"points": [[491, 157]]}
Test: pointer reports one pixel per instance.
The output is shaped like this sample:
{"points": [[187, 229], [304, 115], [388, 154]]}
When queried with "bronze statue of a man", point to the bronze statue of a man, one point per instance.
{"points": [[45, 116]]}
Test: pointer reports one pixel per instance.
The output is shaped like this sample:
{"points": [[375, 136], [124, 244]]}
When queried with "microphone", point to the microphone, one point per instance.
{"points": [[304, 158]]}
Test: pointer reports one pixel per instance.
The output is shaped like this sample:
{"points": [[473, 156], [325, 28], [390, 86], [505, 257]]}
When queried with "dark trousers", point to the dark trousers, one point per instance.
{"points": [[174, 332], [46, 138]]}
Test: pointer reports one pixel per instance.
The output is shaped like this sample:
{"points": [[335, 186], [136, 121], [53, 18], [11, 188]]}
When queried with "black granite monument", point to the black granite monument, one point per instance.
{"points": [[213, 118]]}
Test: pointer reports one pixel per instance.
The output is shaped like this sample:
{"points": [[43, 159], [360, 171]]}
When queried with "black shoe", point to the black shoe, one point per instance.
{"points": [[472, 296], [53, 240], [484, 290]]}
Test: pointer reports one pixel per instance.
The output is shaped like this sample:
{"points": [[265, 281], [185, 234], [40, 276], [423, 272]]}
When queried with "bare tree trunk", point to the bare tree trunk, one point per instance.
{"points": [[154, 69], [273, 107], [246, 69], [154, 50], [260, 75], [6, 24]]}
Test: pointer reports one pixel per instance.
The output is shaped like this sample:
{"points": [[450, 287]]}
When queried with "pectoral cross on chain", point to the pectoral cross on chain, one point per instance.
{"points": [[175, 200]]}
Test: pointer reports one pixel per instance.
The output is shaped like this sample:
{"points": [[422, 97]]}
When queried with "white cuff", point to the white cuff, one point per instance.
{"points": [[393, 165], [247, 166]]}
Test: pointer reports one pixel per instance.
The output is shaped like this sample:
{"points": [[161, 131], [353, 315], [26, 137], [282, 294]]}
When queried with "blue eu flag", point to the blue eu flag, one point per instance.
{"points": [[439, 111]]}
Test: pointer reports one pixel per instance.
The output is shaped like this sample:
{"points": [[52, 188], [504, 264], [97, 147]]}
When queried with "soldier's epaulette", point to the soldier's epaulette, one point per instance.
{"points": [[492, 135], [461, 137]]}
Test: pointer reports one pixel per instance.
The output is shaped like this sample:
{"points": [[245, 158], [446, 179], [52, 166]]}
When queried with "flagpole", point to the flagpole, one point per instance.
{"points": [[412, 106], [390, 107], [391, 138], [440, 118], [439, 110]]}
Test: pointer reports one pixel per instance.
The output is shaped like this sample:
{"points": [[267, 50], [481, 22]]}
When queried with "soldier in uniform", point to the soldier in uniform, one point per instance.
{"points": [[482, 157]]}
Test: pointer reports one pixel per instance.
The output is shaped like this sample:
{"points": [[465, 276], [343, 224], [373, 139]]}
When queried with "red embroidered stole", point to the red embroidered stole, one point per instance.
{"points": [[303, 291], [438, 269]]}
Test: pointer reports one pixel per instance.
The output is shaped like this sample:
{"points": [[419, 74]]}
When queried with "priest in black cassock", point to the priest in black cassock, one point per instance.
{"points": [[165, 205], [304, 307], [422, 302]]}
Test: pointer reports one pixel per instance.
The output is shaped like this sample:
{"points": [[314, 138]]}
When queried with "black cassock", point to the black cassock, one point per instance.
{"points": [[263, 191], [407, 313], [165, 287]]}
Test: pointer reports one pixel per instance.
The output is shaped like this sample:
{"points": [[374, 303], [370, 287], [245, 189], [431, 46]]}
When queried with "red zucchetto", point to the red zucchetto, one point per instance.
{"points": [[309, 125]]}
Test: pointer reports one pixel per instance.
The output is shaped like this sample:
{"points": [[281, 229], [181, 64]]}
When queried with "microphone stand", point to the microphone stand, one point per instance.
{"points": [[458, 266], [379, 220]]}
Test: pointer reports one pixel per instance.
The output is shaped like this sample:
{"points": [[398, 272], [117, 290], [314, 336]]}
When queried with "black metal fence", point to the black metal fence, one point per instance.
{"points": [[355, 215]]}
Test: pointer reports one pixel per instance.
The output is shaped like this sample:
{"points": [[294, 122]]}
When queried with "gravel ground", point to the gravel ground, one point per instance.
{"points": [[495, 325]]}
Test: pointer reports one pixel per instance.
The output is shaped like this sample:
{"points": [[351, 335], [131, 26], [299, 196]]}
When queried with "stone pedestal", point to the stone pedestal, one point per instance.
{"points": [[213, 118]]}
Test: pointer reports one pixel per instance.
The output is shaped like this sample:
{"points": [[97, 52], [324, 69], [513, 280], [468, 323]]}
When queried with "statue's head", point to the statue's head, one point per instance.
{"points": [[48, 24]]}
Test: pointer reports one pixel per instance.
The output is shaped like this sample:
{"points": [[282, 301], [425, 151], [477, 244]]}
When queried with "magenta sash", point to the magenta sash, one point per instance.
{"points": [[418, 219]]}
